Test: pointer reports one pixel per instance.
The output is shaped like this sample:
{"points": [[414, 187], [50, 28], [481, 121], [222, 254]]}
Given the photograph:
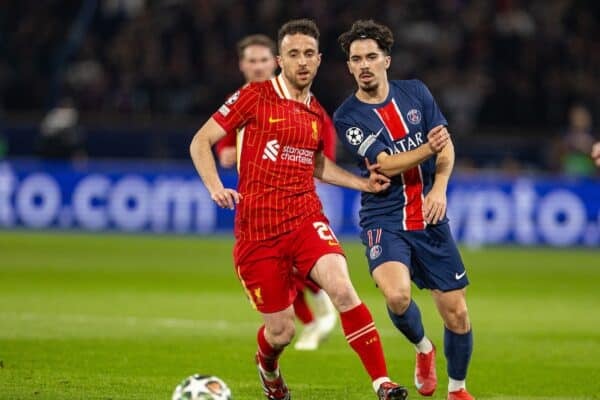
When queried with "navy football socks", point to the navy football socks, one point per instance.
{"points": [[409, 323], [458, 349]]}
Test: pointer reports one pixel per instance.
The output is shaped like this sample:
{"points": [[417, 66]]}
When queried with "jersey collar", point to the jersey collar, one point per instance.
{"points": [[282, 91]]}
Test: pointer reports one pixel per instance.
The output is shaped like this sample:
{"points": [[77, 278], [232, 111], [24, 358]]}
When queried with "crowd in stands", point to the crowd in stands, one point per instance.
{"points": [[497, 63]]}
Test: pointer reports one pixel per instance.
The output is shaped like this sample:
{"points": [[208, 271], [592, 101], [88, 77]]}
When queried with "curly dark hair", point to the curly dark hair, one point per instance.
{"points": [[303, 26], [367, 29]]}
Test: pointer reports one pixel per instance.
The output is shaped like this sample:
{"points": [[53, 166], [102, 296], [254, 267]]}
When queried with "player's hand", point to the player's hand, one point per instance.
{"points": [[438, 138], [226, 198], [434, 207], [228, 157], [596, 153], [377, 181]]}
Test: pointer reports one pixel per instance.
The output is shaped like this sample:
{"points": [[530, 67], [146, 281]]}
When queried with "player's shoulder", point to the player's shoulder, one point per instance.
{"points": [[316, 104], [257, 88], [413, 86], [318, 107], [346, 109]]}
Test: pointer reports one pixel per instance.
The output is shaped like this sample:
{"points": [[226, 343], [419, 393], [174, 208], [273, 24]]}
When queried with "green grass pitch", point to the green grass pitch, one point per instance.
{"points": [[128, 317]]}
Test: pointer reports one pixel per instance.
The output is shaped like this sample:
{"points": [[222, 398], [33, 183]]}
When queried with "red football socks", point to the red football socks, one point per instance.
{"points": [[267, 355], [363, 337], [302, 310]]}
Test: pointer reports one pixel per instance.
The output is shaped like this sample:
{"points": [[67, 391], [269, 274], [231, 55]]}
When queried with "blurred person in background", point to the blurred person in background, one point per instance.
{"points": [[257, 63], [596, 153], [256, 54], [571, 151], [61, 135]]}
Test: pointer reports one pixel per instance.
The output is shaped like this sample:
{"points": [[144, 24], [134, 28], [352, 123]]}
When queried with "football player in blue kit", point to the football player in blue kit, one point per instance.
{"points": [[398, 125]]}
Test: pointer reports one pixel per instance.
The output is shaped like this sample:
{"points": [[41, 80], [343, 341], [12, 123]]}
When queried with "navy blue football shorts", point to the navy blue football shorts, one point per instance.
{"points": [[431, 255]]}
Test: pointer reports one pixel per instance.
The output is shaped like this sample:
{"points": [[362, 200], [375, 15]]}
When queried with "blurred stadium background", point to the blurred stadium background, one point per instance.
{"points": [[99, 101]]}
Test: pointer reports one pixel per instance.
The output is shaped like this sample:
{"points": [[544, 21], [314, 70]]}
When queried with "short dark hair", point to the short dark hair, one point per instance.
{"points": [[303, 26], [255, 40], [367, 29]]}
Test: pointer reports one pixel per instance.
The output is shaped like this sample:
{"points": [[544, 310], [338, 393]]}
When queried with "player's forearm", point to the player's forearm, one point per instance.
{"points": [[398, 163], [444, 165], [200, 151], [328, 172]]}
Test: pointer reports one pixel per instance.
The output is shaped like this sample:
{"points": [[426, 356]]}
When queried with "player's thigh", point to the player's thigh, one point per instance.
{"points": [[313, 240], [450, 301], [436, 260], [265, 274], [319, 256], [393, 280], [331, 273]]}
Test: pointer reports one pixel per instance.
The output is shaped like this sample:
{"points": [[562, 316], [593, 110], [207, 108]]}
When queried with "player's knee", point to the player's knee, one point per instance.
{"points": [[398, 301], [281, 335], [457, 320], [343, 296]]}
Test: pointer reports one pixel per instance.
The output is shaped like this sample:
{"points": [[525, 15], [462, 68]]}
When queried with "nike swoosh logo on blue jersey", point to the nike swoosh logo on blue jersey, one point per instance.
{"points": [[459, 276]]}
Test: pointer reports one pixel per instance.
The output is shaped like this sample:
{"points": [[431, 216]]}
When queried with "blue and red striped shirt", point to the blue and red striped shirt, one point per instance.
{"points": [[398, 124]]}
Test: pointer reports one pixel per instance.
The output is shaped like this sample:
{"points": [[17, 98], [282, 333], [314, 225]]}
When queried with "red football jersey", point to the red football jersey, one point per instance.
{"points": [[276, 157], [329, 137], [227, 141]]}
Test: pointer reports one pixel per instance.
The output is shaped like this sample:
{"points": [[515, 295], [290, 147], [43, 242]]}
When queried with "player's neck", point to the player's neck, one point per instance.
{"points": [[295, 93], [375, 96]]}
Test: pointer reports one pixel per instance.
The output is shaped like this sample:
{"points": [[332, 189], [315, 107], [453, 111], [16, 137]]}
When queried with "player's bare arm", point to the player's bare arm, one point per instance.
{"points": [[329, 172], [204, 161], [434, 207], [396, 164]]}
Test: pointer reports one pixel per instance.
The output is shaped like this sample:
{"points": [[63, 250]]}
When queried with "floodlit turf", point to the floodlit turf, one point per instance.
{"points": [[128, 317]]}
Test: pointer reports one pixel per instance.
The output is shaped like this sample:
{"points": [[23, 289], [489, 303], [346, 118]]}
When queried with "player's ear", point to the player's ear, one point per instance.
{"points": [[388, 61], [319, 56], [349, 68], [279, 61]]}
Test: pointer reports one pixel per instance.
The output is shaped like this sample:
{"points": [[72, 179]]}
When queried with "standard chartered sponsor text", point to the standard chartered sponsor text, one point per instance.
{"points": [[302, 156]]}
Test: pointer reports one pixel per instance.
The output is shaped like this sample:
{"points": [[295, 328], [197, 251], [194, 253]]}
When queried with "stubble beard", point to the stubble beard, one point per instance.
{"points": [[296, 83], [370, 89]]}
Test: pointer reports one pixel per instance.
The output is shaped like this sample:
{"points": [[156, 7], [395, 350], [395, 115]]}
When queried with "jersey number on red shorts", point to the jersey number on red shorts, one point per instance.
{"points": [[325, 233]]}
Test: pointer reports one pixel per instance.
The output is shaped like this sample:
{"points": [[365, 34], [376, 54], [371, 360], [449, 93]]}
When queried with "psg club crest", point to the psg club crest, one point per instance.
{"points": [[233, 98], [354, 136], [375, 252], [414, 116]]}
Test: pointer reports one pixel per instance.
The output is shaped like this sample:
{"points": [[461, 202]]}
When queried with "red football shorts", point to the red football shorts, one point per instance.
{"points": [[266, 268]]}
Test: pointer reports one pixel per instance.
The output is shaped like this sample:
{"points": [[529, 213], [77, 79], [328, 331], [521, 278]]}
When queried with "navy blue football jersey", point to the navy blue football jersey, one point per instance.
{"points": [[398, 124]]}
